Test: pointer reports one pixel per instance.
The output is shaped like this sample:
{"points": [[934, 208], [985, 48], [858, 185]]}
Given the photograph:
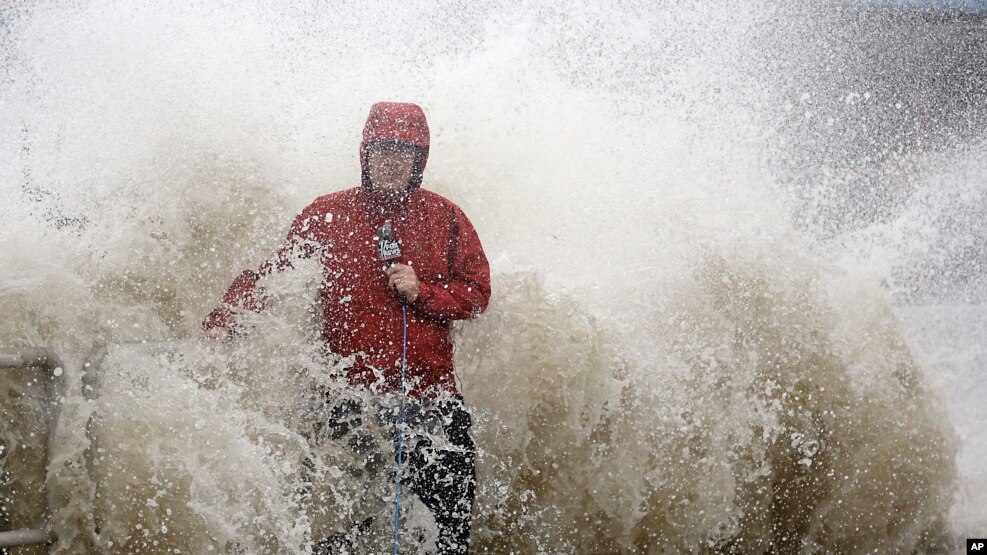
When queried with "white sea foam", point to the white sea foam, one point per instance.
{"points": [[666, 364]]}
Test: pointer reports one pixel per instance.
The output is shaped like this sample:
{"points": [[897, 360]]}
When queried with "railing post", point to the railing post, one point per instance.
{"points": [[54, 386]]}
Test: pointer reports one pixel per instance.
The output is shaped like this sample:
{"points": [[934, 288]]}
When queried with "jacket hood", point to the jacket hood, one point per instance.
{"points": [[398, 122]]}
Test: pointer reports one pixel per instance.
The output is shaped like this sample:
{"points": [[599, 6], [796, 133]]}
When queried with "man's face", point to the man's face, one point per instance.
{"points": [[390, 167]]}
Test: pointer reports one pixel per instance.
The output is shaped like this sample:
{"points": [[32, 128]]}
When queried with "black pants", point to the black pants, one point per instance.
{"points": [[441, 472]]}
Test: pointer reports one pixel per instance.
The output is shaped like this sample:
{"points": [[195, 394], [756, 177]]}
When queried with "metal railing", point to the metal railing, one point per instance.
{"points": [[43, 359]]}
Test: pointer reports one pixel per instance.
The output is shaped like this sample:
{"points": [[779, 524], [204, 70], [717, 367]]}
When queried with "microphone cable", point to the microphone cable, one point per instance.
{"points": [[400, 424]]}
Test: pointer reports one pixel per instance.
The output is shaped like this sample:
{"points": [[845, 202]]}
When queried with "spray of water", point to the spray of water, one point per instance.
{"points": [[668, 363]]}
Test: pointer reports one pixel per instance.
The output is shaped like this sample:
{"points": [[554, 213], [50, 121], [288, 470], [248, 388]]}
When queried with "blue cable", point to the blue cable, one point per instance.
{"points": [[404, 394]]}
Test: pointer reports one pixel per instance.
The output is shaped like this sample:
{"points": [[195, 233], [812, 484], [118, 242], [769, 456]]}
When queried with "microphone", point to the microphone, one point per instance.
{"points": [[388, 249]]}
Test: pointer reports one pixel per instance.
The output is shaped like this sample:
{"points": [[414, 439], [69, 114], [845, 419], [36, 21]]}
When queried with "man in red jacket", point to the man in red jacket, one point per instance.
{"points": [[440, 272]]}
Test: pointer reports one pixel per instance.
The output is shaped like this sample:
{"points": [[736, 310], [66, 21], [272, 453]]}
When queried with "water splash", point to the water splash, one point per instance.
{"points": [[667, 363]]}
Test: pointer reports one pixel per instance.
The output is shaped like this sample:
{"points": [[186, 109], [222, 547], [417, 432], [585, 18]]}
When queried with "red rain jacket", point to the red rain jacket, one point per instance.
{"points": [[362, 315]]}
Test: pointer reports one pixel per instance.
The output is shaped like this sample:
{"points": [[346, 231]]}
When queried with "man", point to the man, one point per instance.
{"points": [[441, 274]]}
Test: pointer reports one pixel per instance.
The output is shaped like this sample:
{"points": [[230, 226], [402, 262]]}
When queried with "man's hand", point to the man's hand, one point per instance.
{"points": [[402, 278]]}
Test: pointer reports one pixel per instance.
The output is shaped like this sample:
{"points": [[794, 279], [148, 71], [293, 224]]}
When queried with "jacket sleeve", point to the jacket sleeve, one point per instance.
{"points": [[467, 291], [244, 293]]}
